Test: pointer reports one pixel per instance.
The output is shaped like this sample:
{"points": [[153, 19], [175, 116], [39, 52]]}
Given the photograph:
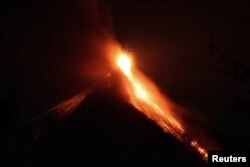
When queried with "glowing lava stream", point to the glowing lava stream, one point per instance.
{"points": [[144, 95]]}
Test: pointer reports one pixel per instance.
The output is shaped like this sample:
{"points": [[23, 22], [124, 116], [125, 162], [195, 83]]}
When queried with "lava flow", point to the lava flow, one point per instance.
{"points": [[145, 96]]}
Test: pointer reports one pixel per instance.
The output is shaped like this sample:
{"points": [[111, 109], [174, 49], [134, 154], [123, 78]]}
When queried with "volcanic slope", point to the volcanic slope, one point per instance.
{"points": [[104, 130]]}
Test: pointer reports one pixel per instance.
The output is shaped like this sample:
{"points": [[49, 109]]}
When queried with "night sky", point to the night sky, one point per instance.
{"points": [[197, 52]]}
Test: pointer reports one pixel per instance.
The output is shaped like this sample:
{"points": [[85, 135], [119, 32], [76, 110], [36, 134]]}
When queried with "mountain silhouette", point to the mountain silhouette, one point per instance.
{"points": [[104, 130]]}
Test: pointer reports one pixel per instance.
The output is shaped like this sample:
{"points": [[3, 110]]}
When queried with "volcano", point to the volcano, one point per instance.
{"points": [[103, 130]]}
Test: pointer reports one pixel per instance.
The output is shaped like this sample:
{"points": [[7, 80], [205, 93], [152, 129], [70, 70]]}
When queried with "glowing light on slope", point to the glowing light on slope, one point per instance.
{"points": [[125, 64], [145, 96]]}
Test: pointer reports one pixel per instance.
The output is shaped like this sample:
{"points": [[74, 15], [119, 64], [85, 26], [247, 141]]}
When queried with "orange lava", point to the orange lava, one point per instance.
{"points": [[145, 96]]}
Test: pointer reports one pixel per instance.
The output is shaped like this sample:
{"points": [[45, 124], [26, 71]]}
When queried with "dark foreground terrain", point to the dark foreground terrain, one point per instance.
{"points": [[103, 131]]}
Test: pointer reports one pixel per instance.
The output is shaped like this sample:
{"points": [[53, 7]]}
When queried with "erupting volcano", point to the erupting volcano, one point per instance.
{"points": [[145, 96], [123, 83]]}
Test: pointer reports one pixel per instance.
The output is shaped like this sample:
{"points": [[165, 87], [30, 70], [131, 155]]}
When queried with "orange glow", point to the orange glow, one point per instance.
{"points": [[145, 96], [125, 63], [67, 107]]}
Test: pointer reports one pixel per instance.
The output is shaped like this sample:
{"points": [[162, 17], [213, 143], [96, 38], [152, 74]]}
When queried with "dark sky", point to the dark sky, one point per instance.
{"points": [[196, 51]]}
